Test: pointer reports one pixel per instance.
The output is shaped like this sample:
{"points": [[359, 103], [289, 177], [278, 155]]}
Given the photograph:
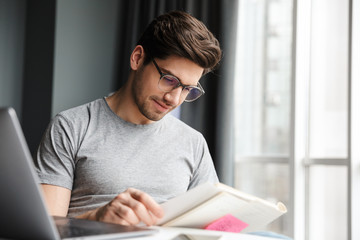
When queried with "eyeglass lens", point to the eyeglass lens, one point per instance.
{"points": [[168, 83]]}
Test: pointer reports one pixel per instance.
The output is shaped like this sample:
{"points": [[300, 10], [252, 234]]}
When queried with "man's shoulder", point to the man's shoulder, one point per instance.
{"points": [[82, 110], [81, 113], [181, 127]]}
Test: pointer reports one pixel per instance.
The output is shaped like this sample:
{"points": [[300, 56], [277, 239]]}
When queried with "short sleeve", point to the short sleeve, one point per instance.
{"points": [[205, 171], [55, 161]]}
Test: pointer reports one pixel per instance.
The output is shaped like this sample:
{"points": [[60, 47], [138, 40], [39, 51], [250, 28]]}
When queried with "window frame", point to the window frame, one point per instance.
{"points": [[300, 162]]}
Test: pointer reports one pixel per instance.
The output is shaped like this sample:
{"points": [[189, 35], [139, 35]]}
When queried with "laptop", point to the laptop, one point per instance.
{"points": [[23, 213]]}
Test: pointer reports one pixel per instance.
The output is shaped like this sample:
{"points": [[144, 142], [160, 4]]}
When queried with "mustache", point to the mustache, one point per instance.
{"points": [[163, 102]]}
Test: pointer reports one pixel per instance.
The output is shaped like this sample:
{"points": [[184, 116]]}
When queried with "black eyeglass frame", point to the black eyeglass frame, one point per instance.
{"points": [[183, 86]]}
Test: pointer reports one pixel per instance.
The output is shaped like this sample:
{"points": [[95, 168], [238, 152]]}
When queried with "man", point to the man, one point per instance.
{"points": [[116, 158]]}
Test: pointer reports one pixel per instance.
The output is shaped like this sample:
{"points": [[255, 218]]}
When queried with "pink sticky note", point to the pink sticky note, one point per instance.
{"points": [[227, 223]]}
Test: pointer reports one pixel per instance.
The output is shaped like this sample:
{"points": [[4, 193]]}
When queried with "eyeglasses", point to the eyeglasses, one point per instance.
{"points": [[168, 82]]}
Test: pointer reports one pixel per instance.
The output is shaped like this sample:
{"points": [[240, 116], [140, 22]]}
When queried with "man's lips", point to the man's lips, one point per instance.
{"points": [[161, 106]]}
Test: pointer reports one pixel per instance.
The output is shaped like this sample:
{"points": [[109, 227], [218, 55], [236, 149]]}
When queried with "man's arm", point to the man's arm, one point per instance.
{"points": [[128, 208], [57, 199]]}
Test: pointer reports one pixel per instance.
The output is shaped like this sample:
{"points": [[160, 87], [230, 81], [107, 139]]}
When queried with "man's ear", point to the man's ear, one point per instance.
{"points": [[137, 57]]}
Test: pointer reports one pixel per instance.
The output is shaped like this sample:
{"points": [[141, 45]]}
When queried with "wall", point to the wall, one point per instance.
{"points": [[12, 31], [85, 51]]}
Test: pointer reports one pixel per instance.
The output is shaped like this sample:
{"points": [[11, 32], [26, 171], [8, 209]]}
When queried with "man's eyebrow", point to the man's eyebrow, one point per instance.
{"points": [[168, 72]]}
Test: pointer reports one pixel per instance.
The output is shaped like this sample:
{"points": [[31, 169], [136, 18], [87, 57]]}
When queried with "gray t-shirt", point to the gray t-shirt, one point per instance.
{"points": [[97, 155]]}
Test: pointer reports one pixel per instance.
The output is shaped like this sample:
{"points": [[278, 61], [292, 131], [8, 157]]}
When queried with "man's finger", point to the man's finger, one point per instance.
{"points": [[139, 208], [125, 213], [148, 202]]}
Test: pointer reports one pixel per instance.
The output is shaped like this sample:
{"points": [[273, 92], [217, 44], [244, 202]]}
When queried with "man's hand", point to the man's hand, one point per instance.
{"points": [[128, 208]]}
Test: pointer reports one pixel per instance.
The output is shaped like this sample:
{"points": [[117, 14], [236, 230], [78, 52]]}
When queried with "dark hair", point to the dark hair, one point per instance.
{"points": [[178, 33]]}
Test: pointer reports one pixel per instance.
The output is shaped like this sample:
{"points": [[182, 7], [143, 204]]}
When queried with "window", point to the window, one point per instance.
{"points": [[263, 95], [296, 113]]}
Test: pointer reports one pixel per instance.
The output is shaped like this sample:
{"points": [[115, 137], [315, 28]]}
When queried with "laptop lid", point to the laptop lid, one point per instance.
{"points": [[22, 207], [23, 212]]}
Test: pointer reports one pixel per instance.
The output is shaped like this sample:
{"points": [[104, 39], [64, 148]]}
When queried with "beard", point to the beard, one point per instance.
{"points": [[145, 104], [145, 109]]}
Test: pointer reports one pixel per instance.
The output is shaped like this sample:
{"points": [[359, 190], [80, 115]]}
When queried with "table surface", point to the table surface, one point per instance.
{"points": [[169, 233]]}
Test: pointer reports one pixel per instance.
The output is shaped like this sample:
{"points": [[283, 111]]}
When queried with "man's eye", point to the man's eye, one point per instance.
{"points": [[187, 89], [171, 80]]}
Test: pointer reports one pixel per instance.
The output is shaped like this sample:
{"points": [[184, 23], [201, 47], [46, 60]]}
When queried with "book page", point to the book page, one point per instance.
{"points": [[255, 214], [209, 211], [187, 201], [208, 202]]}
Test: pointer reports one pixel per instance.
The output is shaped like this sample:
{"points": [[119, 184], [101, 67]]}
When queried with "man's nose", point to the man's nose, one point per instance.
{"points": [[173, 97]]}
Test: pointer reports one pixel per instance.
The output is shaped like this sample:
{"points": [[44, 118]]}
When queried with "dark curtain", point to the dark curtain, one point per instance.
{"points": [[212, 113], [38, 69]]}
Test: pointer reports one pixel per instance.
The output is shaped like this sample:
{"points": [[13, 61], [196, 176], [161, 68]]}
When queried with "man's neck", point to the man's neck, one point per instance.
{"points": [[123, 105]]}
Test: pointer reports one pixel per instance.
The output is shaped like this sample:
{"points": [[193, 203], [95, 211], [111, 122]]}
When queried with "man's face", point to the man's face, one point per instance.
{"points": [[152, 102]]}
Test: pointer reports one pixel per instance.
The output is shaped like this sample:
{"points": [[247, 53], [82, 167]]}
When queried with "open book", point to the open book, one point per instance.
{"points": [[206, 203]]}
